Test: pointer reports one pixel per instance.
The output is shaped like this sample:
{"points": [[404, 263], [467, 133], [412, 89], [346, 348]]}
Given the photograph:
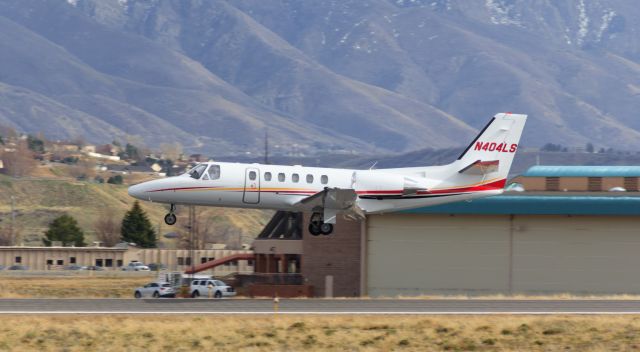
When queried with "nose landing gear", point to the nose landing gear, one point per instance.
{"points": [[171, 219], [317, 226]]}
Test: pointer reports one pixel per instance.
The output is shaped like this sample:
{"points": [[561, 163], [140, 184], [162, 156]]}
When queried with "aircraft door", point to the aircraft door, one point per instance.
{"points": [[251, 193]]}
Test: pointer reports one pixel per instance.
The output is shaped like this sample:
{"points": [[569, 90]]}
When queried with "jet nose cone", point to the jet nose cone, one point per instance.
{"points": [[137, 191]]}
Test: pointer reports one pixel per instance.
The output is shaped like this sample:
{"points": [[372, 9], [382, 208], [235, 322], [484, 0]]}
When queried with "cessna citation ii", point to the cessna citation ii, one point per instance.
{"points": [[480, 171]]}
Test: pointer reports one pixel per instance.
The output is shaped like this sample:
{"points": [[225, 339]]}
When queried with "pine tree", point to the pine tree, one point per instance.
{"points": [[137, 228], [65, 229]]}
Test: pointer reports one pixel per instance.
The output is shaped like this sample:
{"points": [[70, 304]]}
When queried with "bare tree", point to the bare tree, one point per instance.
{"points": [[84, 169], [8, 132], [107, 229], [19, 162], [9, 236], [171, 151], [202, 231]]}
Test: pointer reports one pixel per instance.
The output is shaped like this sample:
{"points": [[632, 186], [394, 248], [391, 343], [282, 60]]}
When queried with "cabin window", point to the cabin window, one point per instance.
{"points": [[281, 177], [197, 171], [267, 176], [214, 172], [324, 179], [309, 178], [295, 178], [252, 175]]}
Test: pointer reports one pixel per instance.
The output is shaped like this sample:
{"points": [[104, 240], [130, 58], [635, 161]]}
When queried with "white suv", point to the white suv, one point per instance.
{"points": [[155, 290], [218, 289], [135, 266]]}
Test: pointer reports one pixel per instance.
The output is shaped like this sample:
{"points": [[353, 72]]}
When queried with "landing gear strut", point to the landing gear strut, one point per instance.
{"points": [[317, 225], [170, 219]]}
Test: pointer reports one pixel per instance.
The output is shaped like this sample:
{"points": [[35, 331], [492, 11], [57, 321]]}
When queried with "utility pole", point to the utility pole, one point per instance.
{"points": [[266, 147], [13, 218], [192, 217]]}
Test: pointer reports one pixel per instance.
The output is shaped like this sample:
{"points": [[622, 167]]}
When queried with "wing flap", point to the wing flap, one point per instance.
{"points": [[331, 202]]}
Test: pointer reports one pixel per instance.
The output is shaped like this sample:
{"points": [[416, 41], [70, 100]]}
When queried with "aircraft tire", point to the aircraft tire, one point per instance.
{"points": [[314, 229], [170, 219], [326, 229]]}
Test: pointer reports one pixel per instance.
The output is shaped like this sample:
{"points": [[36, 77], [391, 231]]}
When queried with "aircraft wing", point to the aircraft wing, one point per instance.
{"points": [[332, 201]]}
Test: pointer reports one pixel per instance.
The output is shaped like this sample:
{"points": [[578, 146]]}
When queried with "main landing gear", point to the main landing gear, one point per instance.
{"points": [[170, 219], [317, 225]]}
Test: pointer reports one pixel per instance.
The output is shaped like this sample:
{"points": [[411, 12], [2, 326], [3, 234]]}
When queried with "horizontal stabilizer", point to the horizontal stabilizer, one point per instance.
{"points": [[479, 167]]}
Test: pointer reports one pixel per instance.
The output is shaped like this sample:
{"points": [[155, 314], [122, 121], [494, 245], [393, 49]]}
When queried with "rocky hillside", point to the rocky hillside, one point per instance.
{"points": [[370, 75]]}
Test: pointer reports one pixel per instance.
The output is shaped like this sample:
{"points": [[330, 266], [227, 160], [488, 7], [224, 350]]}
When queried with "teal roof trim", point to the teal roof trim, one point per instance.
{"points": [[582, 171], [538, 205]]}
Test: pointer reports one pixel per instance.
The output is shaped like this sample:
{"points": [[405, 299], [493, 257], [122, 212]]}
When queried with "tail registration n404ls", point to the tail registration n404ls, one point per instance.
{"points": [[493, 146], [480, 171]]}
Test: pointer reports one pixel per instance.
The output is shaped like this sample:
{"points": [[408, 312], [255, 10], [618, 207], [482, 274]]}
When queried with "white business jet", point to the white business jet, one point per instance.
{"points": [[480, 171]]}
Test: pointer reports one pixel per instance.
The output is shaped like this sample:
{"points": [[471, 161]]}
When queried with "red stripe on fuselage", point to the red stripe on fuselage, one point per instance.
{"points": [[484, 187]]}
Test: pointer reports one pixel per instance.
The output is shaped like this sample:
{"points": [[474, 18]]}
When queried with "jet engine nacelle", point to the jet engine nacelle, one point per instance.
{"points": [[376, 181]]}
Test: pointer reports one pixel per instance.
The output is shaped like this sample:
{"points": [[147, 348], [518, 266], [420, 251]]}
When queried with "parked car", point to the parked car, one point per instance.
{"points": [[18, 267], [157, 266], [218, 289], [75, 267], [155, 290], [95, 268], [2, 267], [135, 266]]}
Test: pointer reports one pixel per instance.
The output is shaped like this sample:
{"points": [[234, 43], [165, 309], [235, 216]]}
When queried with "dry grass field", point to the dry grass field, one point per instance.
{"points": [[76, 286], [319, 333]]}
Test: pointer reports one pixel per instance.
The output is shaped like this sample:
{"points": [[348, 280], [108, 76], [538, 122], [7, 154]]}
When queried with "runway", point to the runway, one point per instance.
{"points": [[316, 306]]}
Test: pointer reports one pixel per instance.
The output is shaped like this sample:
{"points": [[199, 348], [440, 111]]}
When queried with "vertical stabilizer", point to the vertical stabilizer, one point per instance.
{"points": [[491, 153]]}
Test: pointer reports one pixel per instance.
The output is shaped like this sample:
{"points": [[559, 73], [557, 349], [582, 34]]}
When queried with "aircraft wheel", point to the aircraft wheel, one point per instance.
{"points": [[170, 219], [314, 229], [326, 229]]}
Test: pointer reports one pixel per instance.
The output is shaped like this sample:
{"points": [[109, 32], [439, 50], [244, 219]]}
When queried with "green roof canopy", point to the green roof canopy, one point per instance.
{"points": [[583, 171], [539, 205]]}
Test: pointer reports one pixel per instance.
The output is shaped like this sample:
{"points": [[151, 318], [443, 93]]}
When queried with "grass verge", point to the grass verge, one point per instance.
{"points": [[325, 333], [116, 286]]}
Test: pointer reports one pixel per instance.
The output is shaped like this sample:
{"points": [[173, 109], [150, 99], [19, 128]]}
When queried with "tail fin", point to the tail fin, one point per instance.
{"points": [[492, 151]]}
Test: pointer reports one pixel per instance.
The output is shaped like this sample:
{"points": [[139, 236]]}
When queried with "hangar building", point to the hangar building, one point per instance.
{"points": [[582, 241]]}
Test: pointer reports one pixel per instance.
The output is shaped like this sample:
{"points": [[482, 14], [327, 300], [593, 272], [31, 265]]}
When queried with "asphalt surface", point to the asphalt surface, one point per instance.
{"points": [[315, 306]]}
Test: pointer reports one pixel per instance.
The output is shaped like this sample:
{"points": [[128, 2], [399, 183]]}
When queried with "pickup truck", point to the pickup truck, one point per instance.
{"points": [[218, 289]]}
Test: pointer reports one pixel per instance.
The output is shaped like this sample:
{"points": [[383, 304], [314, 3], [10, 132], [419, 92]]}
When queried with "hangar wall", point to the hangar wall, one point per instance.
{"points": [[410, 254]]}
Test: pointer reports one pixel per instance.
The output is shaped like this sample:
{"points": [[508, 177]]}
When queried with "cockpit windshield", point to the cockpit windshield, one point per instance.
{"points": [[197, 171], [200, 171]]}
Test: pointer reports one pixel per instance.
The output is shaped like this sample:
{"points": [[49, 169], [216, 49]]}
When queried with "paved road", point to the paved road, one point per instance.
{"points": [[316, 306]]}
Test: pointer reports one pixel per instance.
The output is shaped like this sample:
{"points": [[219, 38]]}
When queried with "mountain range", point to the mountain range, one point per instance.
{"points": [[372, 76]]}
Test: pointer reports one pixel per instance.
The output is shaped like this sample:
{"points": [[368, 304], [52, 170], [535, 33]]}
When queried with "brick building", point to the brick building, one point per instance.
{"points": [[580, 178]]}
